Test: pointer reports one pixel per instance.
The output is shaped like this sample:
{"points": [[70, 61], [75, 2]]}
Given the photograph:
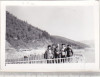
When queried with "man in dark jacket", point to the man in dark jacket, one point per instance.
{"points": [[69, 52], [49, 54], [56, 50]]}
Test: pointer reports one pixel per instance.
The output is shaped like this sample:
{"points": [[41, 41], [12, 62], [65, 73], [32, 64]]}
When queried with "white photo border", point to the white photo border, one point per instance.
{"points": [[71, 67]]}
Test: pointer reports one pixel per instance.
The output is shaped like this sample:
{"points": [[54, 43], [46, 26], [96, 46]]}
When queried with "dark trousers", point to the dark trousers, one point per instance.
{"points": [[64, 58], [57, 56]]}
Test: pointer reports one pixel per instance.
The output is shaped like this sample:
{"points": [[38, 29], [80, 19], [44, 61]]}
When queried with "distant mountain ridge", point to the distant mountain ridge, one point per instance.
{"points": [[64, 40], [91, 43], [20, 35]]}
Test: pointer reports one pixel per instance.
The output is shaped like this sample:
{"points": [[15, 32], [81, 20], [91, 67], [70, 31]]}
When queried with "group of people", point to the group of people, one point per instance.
{"points": [[58, 51]]}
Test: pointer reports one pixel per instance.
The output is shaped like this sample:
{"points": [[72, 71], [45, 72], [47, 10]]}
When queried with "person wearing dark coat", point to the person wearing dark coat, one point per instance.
{"points": [[49, 54], [56, 49], [69, 52]]}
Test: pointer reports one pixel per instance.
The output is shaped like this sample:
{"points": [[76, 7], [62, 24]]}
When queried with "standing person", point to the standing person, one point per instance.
{"points": [[58, 53], [69, 52], [54, 46], [49, 54], [54, 50], [63, 53]]}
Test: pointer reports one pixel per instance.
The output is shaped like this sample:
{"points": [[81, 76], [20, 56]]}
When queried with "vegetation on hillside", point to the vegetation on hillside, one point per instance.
{"points": [[20, 34]]}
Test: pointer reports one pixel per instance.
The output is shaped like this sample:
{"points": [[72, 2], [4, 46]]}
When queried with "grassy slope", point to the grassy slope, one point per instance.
{"points": [[22, 35]]}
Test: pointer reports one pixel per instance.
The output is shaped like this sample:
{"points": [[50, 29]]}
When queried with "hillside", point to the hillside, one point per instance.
{"points": [[21, 35], [75, 44], [90, 43]]}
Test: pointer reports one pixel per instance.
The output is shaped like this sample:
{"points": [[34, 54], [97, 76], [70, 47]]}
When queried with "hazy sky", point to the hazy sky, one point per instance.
{"points": [[73, 22]]}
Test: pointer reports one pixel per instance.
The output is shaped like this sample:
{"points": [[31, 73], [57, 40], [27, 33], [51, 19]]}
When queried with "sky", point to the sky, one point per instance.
{"points": [[73, 22]]}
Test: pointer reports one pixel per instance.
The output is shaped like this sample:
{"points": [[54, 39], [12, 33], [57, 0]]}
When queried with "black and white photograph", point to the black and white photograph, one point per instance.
{"points": [[50, 34]]}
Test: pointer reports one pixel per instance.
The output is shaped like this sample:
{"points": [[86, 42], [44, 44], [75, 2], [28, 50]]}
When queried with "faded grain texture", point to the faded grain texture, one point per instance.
{"points": [[2, 74]]}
